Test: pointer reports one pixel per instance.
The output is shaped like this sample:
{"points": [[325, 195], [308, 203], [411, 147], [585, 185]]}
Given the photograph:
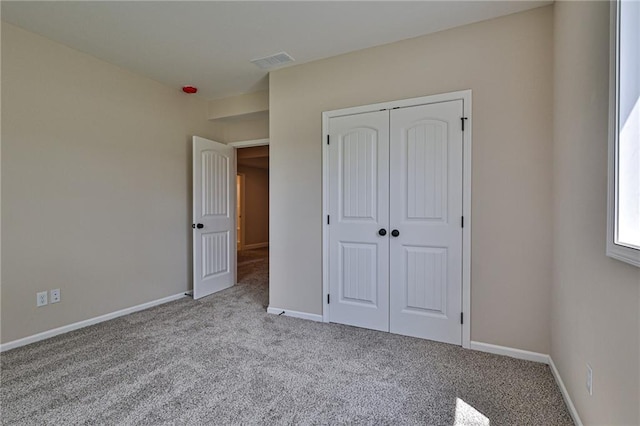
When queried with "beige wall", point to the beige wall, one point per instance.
{"points": [[256, 208], [242, 105], [507, 62], [595, 299], [245, 129], [96, 185], [241, 118]]}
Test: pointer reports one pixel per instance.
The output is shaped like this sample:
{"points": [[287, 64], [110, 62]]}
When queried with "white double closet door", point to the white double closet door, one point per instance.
{"points": [[395, 232]]}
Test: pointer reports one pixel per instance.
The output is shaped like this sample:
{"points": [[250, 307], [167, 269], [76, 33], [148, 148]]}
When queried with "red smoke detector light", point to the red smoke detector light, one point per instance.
{"points": [[189, 89]]}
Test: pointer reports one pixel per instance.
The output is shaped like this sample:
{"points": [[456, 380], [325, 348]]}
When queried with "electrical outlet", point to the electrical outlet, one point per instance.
{"points": [[589, 380], [41, 298], [55, 295]]}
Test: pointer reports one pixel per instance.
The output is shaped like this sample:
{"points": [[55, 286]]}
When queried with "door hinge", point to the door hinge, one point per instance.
{"points": [[328, 299], [462, 120], [462, 221], [461, 317], [328, 220], [328, 140]]}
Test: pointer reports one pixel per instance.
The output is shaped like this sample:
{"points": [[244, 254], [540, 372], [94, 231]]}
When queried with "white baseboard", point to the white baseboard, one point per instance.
{"points": [[91, 321], [512, 352], [255, 246], [295, 314], [565, 393]]}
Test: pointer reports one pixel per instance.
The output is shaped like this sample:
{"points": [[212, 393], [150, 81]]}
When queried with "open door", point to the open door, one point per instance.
{"points": [[214, 216]]}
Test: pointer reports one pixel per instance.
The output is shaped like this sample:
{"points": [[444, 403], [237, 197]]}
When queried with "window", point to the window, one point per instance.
{"points": [[623, 233]]}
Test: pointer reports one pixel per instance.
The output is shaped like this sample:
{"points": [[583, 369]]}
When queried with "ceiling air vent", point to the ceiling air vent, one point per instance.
{"points": [[273, 61]]}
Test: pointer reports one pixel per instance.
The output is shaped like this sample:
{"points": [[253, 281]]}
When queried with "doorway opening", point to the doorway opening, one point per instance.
{"points": [[226, 242], [252, 186]]}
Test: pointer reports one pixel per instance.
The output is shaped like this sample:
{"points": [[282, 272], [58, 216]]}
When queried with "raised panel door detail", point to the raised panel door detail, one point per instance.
{"points": [[215, 184], [359, 263], [426, 156], [359, 174], [426, 279], [215, 253], [357, 171]]}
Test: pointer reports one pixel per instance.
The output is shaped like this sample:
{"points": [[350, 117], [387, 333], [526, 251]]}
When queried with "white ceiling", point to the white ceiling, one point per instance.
{"points": [[209, 44]]}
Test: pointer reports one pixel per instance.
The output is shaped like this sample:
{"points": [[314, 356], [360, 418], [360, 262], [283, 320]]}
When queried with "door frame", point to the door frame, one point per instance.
{"points": [[240, 201], [249, 143], [465, 97]]}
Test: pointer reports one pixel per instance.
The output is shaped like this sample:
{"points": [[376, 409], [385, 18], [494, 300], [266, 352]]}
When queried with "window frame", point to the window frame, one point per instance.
{"points": [[614, 250]]}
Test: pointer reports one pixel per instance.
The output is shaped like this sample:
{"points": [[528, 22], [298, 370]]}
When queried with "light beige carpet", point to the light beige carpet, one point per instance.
{"points": [[224, 360]]}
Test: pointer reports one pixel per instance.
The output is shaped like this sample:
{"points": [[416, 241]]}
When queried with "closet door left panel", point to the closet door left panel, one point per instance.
{"points": [[359, 220]]}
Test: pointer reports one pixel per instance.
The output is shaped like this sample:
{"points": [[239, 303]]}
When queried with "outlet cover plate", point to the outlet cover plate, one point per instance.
{"points": [[589, 379], [41, 298], [55, 295]]}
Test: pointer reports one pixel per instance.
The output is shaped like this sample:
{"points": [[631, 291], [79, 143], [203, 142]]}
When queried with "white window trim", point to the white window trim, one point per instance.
{"points": [[616, 251]]}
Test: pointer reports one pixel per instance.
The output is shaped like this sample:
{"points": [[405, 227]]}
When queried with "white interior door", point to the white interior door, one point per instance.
{"points": [[426, 211], [359, 209], [214, 204]]}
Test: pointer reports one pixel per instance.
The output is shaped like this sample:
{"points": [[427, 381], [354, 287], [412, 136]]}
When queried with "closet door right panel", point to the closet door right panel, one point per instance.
{"points": [[425, 194]]}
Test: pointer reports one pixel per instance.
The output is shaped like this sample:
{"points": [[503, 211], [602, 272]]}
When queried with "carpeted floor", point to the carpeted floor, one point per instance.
{"points": [[223, 360]]}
